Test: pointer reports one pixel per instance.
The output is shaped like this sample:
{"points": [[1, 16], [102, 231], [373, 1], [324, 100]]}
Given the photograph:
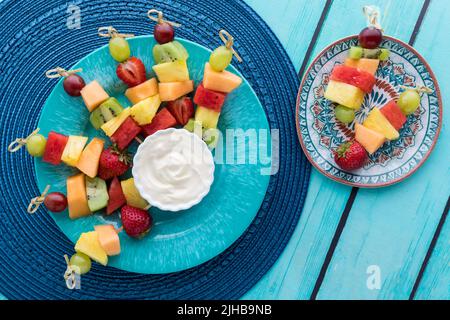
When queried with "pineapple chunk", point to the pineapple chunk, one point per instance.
{"points": [[72, 151], [144, 111], [89, 244], [132, 194], [112, 125], [207, 117], [368, 138], [345, 94], [176, 71], [377, 122]]}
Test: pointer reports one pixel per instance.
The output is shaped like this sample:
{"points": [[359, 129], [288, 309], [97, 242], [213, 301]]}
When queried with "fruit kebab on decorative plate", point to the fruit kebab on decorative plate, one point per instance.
{"points": [[361, 112], [165, 172]]}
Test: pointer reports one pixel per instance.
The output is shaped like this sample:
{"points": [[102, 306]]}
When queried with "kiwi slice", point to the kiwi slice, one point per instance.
{"points": [[97, 193], [169, 52], [109, 109], [371, 53]]}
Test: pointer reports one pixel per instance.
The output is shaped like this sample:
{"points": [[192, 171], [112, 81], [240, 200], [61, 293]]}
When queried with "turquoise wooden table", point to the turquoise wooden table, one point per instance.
{"points": [[390, 243]]}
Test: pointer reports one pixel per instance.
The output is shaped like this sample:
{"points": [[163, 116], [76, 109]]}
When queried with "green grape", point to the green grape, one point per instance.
{"points": [[355, 53], [119, 49], [81, 262], [344, 114], [36, 145], [220, 58], [409, 101], [384, 55]]}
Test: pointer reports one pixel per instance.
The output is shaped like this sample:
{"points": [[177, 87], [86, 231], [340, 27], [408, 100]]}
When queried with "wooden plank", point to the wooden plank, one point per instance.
{"points": [[389, 230], [293, 22], [435, 283], [295, 273]]}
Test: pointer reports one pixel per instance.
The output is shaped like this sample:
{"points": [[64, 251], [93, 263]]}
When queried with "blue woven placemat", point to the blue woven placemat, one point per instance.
{"points": [[33, 39]]}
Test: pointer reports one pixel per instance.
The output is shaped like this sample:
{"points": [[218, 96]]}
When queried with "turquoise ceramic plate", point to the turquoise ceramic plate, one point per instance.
{"points": [[182, 240], [320, 133]]}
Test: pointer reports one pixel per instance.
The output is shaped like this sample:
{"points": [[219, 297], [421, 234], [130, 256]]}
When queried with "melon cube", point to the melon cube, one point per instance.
{"points": [[364, 64], [93, 95], [142, 91], [144, 111], [377, 122], [72, 151], [126, 133], [207, 117], [394, 114], [353, 76], [132, 194], [89, 244], [345, 94], [176, 71], [109, 239], [112, 125], [77, 197], [163, 120], [90, 157], [368, 138], [224, 81], [170, 91]]}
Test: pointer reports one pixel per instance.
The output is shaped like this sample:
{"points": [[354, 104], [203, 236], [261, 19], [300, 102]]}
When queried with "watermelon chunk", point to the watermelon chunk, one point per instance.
{"points": [[358, 78], [116, 196], [394, 114], [209, 99], [54, 148], [127, 131], [163, 120]]}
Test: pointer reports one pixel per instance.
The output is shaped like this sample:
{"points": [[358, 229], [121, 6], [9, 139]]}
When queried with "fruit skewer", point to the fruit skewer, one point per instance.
{"points": [[350, 82], [171, 69], [211, 93]]}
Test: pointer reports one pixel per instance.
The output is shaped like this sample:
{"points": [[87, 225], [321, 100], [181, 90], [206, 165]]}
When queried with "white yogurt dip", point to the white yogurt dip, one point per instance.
{"points": [[173, 169]]}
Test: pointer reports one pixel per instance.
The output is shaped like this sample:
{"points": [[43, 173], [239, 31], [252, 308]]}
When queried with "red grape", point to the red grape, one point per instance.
{"points": [[73, 85], [56, 202], [164, 33], [370, 38]]}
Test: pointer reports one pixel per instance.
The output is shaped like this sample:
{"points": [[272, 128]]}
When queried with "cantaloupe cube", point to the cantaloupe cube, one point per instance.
{"points": [[89, 244], [170, 91], [207, 117], [368, 138], [88, 162], [224, 81], [176, 71], [140, 92], [77, 197], [132, 194], [377, 122], [109, 239], [93, 95], [345, 94], [73, 149], [364, 64], [144, 111], [112, 125]]}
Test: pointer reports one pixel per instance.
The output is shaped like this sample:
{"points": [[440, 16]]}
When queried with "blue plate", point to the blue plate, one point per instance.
{"points": [[182, 240]]}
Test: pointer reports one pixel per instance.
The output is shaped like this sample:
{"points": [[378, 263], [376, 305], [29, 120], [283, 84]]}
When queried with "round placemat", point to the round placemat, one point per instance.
{"points": [[36, 36]]}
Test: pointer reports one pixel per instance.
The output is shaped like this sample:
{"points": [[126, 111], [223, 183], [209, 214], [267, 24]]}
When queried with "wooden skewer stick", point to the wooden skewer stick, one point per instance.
{"points": [[37, 201]]}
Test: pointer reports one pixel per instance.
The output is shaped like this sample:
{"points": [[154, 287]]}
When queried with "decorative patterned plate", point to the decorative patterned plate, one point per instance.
{"points": [[180, 240], [320, 133]]}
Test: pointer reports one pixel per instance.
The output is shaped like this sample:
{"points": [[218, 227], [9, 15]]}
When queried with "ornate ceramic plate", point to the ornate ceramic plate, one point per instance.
{"points": [[320, 133], [180, 240]]}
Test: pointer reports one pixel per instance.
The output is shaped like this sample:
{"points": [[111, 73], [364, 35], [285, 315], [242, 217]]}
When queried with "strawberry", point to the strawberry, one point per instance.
{"points": [[136, 222], [182, 109], [113, 163], [132, 71], [350, 156]]}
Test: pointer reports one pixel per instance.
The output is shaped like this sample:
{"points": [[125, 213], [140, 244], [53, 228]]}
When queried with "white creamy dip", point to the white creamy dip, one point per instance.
{"points": [[173, 169]]}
